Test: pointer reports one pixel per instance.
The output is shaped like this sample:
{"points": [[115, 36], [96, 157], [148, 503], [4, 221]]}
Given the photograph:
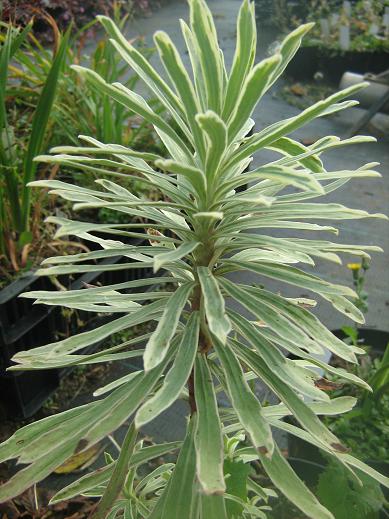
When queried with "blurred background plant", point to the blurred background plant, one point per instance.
{"points": [[366, 428], [44, 103], [359, 271], [365, 431], [80, 109], [365, 22], [23, 135], [346, 498]]}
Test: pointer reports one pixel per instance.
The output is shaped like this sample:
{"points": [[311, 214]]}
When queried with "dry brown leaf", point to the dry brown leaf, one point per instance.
{"points": [[81, 460], [298, 90]]}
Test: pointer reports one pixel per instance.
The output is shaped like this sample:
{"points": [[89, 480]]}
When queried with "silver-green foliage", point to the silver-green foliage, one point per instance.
{"points": [[201, 347]]}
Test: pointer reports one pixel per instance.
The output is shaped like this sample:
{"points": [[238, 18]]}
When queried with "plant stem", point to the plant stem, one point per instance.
{"points": [[192, 399], [119, 475], [204, 340], [195, 304]]}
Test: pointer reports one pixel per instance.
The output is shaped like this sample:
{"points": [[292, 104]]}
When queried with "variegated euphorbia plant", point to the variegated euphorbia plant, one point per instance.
{"points": [[200, 345]]}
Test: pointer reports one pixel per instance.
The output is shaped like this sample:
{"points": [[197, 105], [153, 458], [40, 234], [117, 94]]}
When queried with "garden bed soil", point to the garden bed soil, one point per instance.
{"points": [[310, 60], [24, 507]]}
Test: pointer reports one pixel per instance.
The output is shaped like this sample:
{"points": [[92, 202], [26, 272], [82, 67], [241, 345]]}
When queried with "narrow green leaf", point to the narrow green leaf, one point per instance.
{"points": [[191, 46], [145, 71], [331, 211], [204, 32], [344, 458], [251, 92], [177, 376], [290, 398], [134, 377], [246, 43], [77, 342], [180, 497], [295, 276], [209, 215], [180, 78], [247, 407], [218, 322], [182, 251], [40, 121], [346, 307], [194, 175], [15, 444], [216, 136], [289, 47], [158, 344], [286, 480], [127, 285], [83, 427], [274, 132], [213, 507], [78, 269], [277, 323], [301, 179], [306, 319], [126, 399], [102, 475], [35, 472], [292, 148], [340, 405], [208, 437], [118, 476], [133, 101], [282, 367], [107, 149], [87, 482]]}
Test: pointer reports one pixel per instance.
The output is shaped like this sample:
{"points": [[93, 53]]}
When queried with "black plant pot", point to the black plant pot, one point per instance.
{"points": [[376, 339], [306, 455], [333, 64], [24, 326], [310, 470]]}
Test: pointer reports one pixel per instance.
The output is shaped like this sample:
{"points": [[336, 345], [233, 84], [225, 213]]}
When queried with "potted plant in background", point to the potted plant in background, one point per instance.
{"points": [[201, 345], [348, 36], [17, 165]]}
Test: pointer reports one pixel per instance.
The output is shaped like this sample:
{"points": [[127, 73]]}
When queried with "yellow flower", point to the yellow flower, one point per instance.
{"points": [[354, 266]]}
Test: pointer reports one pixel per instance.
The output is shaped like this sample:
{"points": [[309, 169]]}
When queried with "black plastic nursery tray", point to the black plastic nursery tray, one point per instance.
{"points": [[333, 64], [24, 326]]}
